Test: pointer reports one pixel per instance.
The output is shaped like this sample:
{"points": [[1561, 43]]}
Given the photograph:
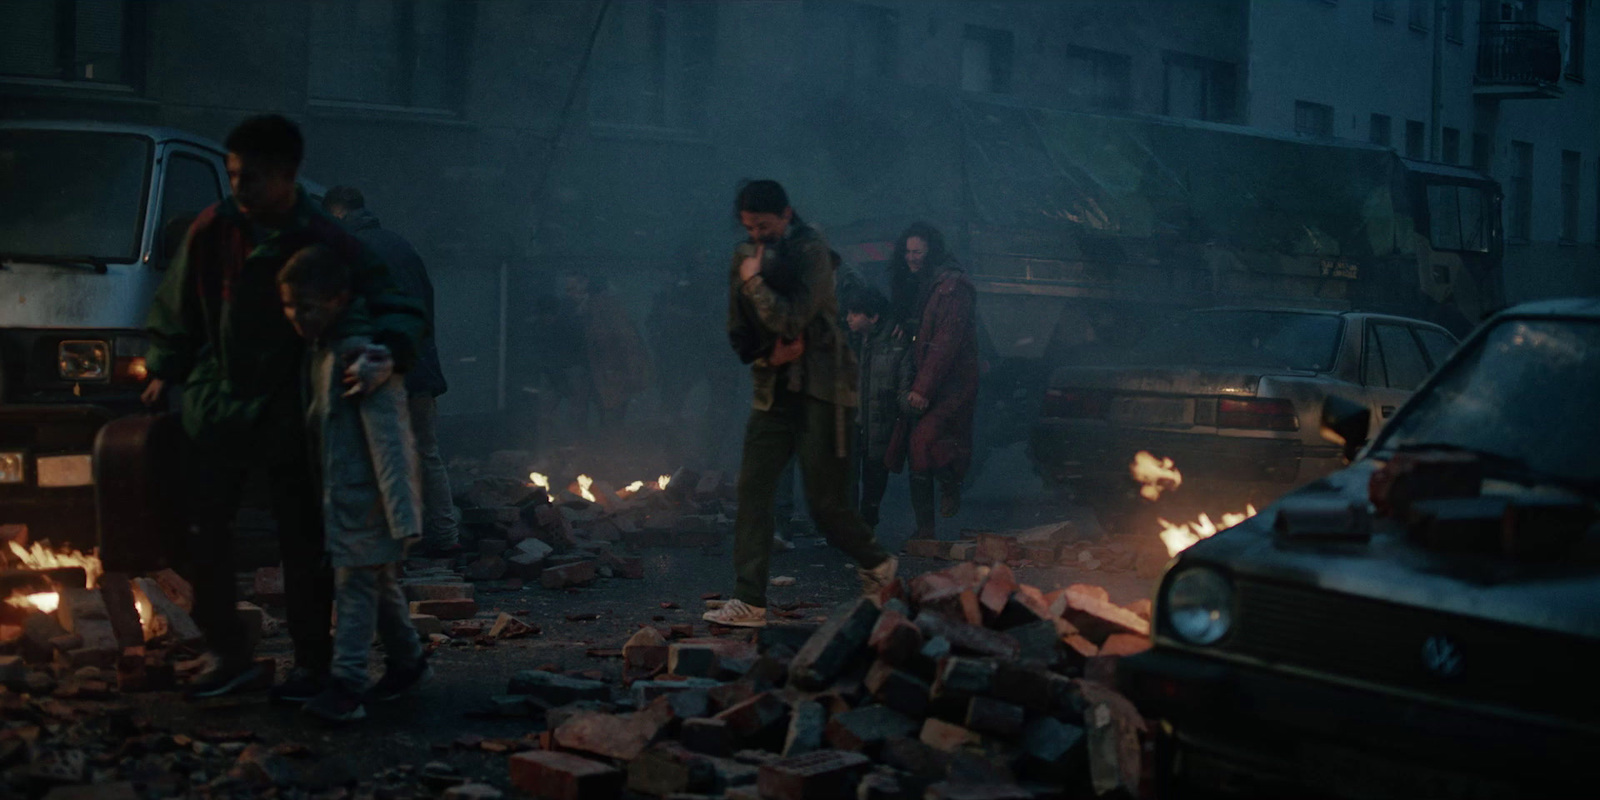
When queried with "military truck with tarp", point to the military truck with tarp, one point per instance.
{"points": [[1082, 231]]}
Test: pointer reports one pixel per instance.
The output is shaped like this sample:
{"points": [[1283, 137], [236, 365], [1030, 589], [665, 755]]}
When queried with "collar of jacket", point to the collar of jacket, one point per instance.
{"points": [[360, 219]]}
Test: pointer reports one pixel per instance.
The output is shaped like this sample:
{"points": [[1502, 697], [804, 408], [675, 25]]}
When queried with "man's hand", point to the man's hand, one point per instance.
{"points": [[784, 351], [917, 402], [751, 266], [370, 369], [153, 392]]}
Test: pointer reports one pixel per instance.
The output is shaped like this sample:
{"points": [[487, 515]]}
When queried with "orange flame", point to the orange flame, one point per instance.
{"points": [[661, 482], [539, 480], [36, 557], [584, 482], [1156, 475], [1178, 538]]}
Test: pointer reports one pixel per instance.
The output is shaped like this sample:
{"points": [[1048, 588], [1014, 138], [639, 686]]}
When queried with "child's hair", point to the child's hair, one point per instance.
{"points": [[866, 300], [316, 270]]}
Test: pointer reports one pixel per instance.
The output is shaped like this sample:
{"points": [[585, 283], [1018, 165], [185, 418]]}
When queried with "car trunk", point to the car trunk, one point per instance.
{"points": [[1165, 397]]}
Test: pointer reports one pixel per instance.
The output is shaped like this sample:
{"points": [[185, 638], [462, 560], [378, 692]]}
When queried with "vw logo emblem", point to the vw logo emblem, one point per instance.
{"points": [[1442, 657]]}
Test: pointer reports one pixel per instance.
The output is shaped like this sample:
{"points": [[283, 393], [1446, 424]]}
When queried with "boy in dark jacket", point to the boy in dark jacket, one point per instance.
{"points": [[885, 379], [365, 460]]}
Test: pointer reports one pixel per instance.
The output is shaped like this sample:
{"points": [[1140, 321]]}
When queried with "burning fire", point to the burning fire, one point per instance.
{"points": [[37, 557], [1159, 475], [1178, 538], [1156, 474], [584, 482], [661, 482], [540, 480]]}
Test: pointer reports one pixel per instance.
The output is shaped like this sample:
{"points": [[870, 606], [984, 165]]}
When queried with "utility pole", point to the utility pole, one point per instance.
{"points": [[1436, 118]]}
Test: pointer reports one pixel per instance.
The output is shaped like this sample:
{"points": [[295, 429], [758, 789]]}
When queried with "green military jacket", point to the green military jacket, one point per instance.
{"points": [[217, 327], [793, 296]]}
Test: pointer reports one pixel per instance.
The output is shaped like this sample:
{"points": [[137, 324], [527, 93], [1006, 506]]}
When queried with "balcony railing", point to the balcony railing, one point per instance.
{"points": [[1518, 54]]}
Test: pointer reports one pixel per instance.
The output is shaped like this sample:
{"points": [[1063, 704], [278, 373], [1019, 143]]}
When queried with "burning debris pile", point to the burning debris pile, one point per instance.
{"points": [[1158, 475], [963, 683]]}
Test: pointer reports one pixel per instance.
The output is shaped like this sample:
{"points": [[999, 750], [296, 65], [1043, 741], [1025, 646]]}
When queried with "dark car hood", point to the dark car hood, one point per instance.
{"points": [[1562, 597]]}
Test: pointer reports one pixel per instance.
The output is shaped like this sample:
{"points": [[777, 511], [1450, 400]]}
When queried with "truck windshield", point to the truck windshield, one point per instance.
{"points": [[72, 194], [1529, 392], [1240, 338]]}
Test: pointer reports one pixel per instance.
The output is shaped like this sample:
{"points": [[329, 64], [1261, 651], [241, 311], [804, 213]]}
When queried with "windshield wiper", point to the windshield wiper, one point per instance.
{"points": [[1502, 466], [95, 263]]}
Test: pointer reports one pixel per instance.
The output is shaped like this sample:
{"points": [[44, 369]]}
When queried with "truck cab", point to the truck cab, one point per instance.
{"points": [[91, 215]]}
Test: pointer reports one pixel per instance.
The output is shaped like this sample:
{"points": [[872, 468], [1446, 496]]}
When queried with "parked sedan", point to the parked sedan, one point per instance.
{"points": [[1424, 623], [1231, 395]]}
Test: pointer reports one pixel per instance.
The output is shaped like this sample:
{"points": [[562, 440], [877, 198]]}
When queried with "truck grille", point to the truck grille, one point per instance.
{"points": [[1385, 644]]}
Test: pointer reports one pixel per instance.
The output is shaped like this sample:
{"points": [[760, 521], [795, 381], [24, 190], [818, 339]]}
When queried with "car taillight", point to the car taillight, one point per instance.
{"points": [[1257, 413], [1075, 404]]}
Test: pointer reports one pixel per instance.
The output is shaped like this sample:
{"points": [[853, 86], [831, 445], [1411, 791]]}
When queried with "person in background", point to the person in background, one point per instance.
{"points": [[885, 382], [366, 464], [425, 382], [783, 321], [936, 304], [616, 364], [217, 328]]}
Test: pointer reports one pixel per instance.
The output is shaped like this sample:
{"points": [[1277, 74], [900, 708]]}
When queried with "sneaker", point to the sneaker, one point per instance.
{"points": [[396, 682], [878, 577], [224, 676], [337, 703], [301, 685], [737, 614]]}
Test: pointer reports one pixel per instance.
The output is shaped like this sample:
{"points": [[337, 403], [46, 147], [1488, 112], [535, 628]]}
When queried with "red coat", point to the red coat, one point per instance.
{"points": [[945, 356]]}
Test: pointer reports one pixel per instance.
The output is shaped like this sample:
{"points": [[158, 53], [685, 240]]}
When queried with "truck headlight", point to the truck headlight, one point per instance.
{"points": [[1199, 605], [11, 467], [84, 361]]}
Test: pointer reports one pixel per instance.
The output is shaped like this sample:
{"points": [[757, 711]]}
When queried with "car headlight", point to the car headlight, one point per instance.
{"points": [[1199, 605], [11, 467], [84, 361]]}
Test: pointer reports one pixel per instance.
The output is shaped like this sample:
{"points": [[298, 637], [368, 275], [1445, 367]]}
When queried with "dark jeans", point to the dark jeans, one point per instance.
{"points": [[874, 482], [801, 428], [215, 482]]}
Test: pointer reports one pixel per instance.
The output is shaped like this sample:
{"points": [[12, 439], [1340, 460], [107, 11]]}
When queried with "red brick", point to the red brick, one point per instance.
{"points": [[549, 775], [269, 586], [670, 768], [997, 590], [1141, 607], [822, 775], [969, 637], [898, 689], [945, 736], [446, 609], [993, 548], [1098, 618], [1122, 644], [831, 648], [954, 790], [926, 548], [755, 715], [895, 638], [998, 717], [116, 592], [171, 618], [439, 591], [618, 736], [574, 574]]}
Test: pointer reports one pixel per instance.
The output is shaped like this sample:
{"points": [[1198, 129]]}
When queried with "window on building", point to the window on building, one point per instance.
{"points": [[1571, 163], [651, 65], [1383, 9], [1416, 139], [1421, 14], [1379, 130], [1455, 20], [89, 41], [1313, 119], [1576, 40], [1098, 79], [1482, 155], [986, 60], [409, 53], [1519, 211], [1198, 88], [1450, 147]]}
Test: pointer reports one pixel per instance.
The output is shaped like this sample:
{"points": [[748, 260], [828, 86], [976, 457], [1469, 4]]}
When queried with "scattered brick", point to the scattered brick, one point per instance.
{"points": [[453, 590], [550, 775], [898, 689], [865, 729], [707, 735], [945, 736], [576, 573], [692, 660], [806, 727], [821, 775], [834, 645], [987, 715], [446, 609], [670, 768]]}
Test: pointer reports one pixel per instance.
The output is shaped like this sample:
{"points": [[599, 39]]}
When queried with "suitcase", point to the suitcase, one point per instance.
{"points": [[138, 480]]}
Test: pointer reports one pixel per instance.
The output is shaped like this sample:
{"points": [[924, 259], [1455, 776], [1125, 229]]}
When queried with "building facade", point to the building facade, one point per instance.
{"points": [[516, 141]]}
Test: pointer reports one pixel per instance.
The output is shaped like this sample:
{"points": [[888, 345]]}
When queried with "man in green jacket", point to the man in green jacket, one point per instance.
{"points": [[217, 329], [783, 321]]}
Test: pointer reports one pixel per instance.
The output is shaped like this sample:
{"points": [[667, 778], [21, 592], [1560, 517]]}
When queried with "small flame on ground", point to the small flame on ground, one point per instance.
{"points": [[1178, 538], [46, 602], [1156, 474], [584, 482], [540, 480], [661, 482]]}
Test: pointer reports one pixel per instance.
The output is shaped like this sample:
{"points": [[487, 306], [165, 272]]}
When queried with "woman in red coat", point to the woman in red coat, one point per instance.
{"points": [[936, 304]]}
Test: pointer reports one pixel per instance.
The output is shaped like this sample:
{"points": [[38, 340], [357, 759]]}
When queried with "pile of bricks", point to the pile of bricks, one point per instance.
{"points": [[1057, 544], [962, 683]]}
